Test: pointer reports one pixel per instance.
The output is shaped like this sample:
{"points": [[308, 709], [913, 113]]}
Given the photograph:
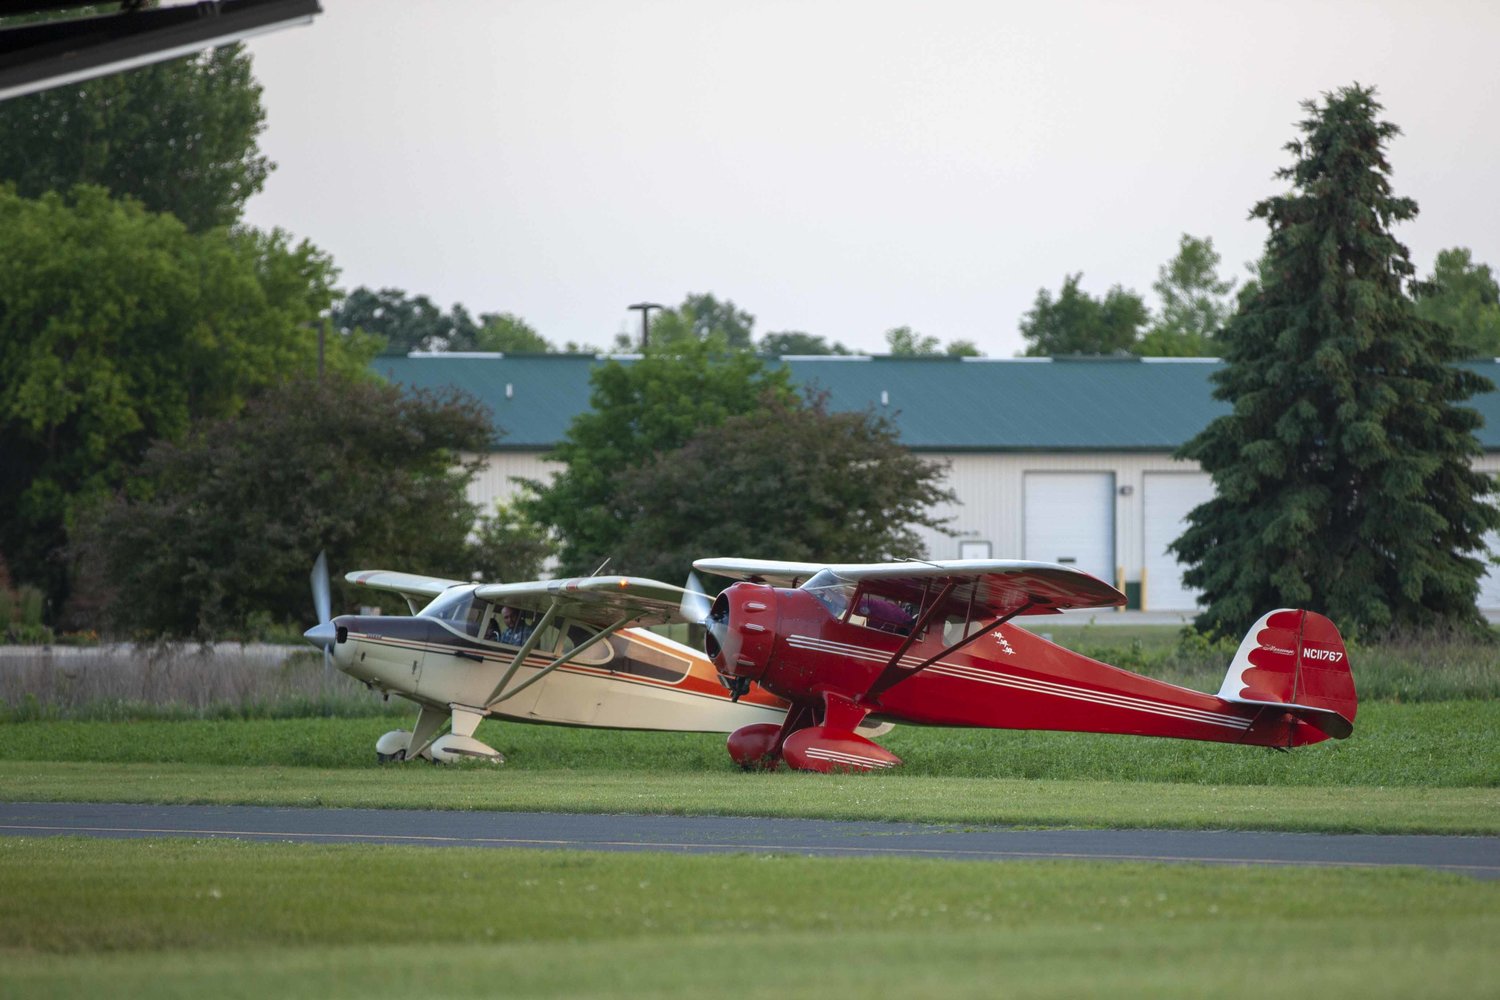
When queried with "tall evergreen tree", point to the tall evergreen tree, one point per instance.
{"points": [[1343, 475]]}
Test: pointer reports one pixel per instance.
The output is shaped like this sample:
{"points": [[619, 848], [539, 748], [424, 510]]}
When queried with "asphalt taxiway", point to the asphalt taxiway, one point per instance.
{"points": [[1478, 857]]}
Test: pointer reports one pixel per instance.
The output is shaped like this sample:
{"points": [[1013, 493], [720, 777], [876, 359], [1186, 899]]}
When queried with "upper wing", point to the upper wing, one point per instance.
{"points": [[417, 590], [981, 587], [596, 600], [774, 572]]}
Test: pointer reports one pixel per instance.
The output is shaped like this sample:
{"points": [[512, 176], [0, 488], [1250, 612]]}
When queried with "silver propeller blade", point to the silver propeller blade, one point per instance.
{"points": [[323, 634], [321, 602], [695, 603]]}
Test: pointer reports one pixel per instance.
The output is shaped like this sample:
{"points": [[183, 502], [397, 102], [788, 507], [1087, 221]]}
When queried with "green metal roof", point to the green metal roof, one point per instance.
{"points": [[938, 404]]}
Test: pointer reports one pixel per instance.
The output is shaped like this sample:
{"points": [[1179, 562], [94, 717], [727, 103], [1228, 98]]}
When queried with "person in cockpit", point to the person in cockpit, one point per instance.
{"points": [[516, 632]]}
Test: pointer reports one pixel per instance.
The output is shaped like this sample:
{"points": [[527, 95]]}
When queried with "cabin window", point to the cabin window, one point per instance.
{"points": [[598, 654], [832, 590], [648, 661], [458, 609], [959, 627], [884, 614]]}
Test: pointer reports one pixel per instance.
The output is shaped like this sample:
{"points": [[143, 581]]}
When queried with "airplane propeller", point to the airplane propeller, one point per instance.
{"points": [[700, 609], [695, 603], [322, 634]]}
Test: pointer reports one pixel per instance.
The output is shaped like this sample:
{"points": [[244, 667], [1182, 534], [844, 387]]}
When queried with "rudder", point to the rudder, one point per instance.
{"points": [[1295, 659]]}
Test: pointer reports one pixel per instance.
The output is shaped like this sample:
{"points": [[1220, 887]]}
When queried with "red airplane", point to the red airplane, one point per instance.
{"points": [[931, 643]]}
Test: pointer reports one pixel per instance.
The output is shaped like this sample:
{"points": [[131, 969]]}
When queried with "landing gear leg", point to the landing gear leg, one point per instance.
{"points": [[402, 745], [429, 722], [833, 745], [758, 747]]}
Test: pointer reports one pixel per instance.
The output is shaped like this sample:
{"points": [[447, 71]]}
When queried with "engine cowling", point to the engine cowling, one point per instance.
{"points": [[742, 632]]}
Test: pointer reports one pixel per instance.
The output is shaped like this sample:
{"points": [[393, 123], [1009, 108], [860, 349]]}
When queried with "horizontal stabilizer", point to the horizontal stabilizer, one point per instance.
{"points": [[1322, 719]]}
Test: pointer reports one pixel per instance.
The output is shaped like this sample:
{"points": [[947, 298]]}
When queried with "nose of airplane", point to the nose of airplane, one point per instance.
{"points": [[323, 636], [741, 630]]}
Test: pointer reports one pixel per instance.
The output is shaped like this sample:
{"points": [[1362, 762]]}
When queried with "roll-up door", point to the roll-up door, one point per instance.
{"points": [[1167, 499], [1070, 519], [1489, 584]]}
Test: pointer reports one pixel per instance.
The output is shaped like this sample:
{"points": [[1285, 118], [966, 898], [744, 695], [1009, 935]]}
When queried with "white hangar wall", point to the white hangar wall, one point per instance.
{"points": [[496, 480], [1084, 508], [1111, 513], [1031, 506]]}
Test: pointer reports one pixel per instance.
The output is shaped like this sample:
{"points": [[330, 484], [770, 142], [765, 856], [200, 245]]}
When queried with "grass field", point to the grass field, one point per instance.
{"points": [[185, 918], [1440, 744], [210, 918], [1427, 767]]}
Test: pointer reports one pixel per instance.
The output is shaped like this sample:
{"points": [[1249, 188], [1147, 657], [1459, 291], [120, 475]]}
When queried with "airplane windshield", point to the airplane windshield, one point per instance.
{"points": [[456, 606], [832, 590]]}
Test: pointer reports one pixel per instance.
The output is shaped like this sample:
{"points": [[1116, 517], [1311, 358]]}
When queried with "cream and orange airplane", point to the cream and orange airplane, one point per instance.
{"points": [[581, 656]]}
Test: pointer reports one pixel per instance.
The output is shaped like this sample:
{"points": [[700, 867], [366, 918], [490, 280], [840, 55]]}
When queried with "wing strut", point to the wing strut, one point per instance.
{"points": [[593, 640], [894, 673], [927, 612], [523, 652]]}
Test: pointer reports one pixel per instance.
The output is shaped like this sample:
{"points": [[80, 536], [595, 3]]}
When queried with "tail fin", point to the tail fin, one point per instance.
{"points": [[1296, 660]]}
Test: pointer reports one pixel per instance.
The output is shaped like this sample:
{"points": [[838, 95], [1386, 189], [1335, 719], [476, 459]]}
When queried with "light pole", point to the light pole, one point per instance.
{"points": [[645, 308]]}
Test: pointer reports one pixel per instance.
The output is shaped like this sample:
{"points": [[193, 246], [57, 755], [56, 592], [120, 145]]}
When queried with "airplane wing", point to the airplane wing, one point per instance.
{"points": [[595, 600], [417, 590], [981, 587]]}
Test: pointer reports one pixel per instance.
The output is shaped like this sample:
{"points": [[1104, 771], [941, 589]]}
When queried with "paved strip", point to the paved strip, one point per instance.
{"points": [[1474, 856]]}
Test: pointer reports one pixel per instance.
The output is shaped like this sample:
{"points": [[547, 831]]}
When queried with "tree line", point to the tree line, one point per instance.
{"points": [[189, 413], [404, 323], [188, 410], [1195, 302]]}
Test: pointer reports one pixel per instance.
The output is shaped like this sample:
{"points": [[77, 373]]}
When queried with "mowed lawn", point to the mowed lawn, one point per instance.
{"points": [[169, 918], [165, 918], [1422, 768]]}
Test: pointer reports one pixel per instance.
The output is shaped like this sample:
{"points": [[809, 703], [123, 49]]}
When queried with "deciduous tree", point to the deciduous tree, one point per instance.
{"points": [[509, 334], [796, 342], [219, 530], [119, 327], [1464, 297], [787, 481], [1195, 303], [406, 323], [508, 546], [1343, 474], [181, 136], [639, 410], [904, 342], [1078, 323], [702, 317]]}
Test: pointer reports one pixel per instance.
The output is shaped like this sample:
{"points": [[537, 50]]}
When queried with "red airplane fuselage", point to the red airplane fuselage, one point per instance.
{"points": [[795, 646]]}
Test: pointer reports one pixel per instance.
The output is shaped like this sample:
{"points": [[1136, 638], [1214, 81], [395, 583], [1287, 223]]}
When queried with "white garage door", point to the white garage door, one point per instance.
{"points": [[1489, 584], [1070, 519], [1168, 496]]}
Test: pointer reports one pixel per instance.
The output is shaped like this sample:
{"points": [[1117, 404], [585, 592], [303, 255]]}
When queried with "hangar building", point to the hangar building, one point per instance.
{"points": [[1065, 460]]}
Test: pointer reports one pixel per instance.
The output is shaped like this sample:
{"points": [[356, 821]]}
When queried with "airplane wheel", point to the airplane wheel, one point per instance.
{"points": [[386, 758]]}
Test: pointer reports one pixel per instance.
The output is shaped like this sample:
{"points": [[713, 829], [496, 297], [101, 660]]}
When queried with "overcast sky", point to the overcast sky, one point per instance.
{"points": [[841, 167]]}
